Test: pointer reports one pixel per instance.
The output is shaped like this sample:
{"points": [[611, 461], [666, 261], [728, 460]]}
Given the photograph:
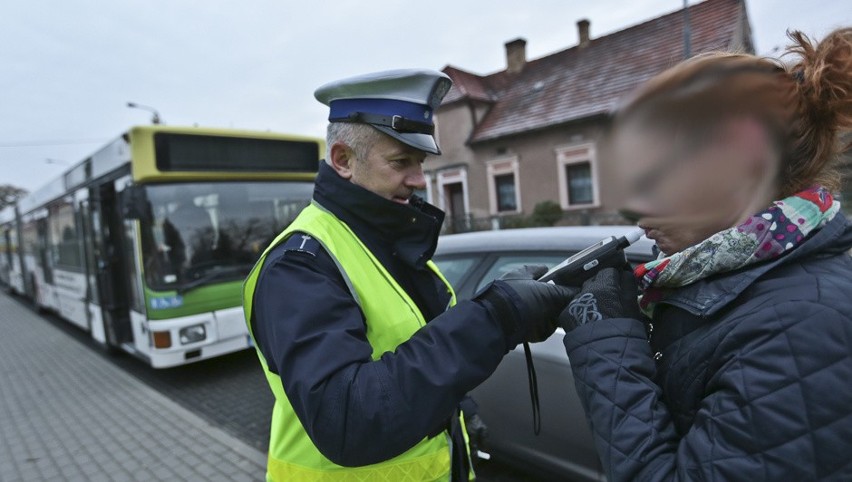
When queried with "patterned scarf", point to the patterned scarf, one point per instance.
{"points": [[762, 237]]}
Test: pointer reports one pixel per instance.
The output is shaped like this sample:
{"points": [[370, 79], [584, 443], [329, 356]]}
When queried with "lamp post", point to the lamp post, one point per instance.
{"points": [[155, 119]]}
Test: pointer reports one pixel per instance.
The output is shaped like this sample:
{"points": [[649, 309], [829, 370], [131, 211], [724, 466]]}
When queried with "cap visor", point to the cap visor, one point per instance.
{"points": [[423, 142]]}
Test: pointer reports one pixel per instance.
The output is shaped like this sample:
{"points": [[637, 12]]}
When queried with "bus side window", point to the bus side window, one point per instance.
{"points": [[65, 237]]}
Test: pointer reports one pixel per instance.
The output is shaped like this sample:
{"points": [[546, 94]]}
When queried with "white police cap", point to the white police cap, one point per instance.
{"points": [[400, 103]]}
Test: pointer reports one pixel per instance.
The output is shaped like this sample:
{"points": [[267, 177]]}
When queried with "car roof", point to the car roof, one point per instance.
{"points": [[561, 238]]}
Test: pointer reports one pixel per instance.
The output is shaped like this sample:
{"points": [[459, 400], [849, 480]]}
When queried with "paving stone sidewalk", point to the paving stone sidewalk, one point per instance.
{"points": [[66, 413]]}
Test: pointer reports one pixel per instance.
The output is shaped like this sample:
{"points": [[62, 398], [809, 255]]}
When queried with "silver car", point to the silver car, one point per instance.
{"points": [[564, 448]]}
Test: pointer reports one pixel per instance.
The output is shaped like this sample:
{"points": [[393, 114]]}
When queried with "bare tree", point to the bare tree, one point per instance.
{"points": [[9, 194]]}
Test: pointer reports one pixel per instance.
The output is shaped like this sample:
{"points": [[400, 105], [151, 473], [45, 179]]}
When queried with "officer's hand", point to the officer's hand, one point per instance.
{"points": [[611, 293], [526, 309], [477, 433]]}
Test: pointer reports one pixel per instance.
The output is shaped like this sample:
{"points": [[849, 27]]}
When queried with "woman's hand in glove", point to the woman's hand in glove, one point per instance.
{"points": [[611, 293]]}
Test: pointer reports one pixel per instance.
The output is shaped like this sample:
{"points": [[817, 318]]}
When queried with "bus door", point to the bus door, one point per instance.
{"points": [[109, 259], [43, 250], [18, 275], [6, 261], [87, 231], [44, 293]]}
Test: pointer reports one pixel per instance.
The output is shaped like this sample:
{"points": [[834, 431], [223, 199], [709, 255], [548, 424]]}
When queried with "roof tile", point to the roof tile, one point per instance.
{"points": [[580, 82]]}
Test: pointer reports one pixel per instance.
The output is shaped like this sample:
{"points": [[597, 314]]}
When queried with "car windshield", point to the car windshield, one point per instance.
{"points": [[454, 269], [505, 264], [200, 233]]}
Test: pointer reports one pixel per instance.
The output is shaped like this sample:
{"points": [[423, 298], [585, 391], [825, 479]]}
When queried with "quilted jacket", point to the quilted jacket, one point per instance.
{"points": [[744, 376]]}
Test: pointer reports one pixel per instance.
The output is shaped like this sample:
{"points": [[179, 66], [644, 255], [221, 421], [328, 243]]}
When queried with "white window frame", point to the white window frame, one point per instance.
{"points": [[577, 154], [452, 176], [499, 167], [428, 177]]}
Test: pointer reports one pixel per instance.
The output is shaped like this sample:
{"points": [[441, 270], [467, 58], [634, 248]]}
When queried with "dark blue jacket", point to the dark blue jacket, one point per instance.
{"points": [[312, 333], [752, 378]]}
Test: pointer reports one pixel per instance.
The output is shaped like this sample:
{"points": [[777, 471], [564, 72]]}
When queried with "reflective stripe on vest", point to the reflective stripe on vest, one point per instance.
{"points": [[391, 319]]}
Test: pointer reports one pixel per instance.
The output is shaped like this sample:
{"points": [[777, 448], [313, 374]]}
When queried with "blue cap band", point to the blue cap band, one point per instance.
{"points": [[341, 109]]}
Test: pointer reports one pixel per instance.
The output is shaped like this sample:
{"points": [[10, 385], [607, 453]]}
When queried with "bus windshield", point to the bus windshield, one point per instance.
{"points": [[202, 233]]}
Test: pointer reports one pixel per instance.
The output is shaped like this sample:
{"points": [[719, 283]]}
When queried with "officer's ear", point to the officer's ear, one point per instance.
{"points": [[342, 159]]}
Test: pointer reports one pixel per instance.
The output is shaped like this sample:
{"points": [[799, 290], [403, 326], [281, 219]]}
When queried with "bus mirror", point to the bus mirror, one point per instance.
{"points": [[135, 202]]}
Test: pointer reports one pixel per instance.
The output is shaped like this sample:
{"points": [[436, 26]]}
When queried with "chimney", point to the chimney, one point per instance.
{"points": [[583, 31], [516, 55]]}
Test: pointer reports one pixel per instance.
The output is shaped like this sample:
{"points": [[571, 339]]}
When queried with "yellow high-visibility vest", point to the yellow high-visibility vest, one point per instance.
{"points": [[391, 319]]}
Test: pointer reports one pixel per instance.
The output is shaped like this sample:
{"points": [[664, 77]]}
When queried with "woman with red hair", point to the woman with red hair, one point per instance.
{"points": [[736, 363]]}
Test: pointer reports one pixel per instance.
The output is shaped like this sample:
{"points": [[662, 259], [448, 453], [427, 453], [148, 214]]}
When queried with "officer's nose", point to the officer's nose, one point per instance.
{"points": [[415, 178]]}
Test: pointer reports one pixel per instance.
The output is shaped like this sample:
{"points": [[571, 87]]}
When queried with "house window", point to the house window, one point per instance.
{"points": [[504, 192], [578, 178], [505, 186]]}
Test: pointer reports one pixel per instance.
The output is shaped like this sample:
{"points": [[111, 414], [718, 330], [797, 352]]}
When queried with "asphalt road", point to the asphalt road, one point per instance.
{"points": [[231, 392]]}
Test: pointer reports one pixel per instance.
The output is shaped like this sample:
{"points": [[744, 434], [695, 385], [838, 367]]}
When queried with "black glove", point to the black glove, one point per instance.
{"points": [[476, 429], [477, 433], [611, 293], [526, 309]]}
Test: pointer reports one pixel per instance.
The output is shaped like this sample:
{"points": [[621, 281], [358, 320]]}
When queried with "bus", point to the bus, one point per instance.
{"points": [[145, 244], [9, 258]]}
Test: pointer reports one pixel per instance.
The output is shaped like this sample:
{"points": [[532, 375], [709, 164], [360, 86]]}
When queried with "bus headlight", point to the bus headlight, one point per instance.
{"points": [[192, 334]]}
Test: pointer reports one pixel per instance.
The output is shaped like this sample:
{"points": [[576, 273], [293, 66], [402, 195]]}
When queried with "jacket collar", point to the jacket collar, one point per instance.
{"points": [[707, 297], [411, 231]]}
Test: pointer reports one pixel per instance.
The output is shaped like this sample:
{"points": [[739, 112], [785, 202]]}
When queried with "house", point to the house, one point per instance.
{"points": [[526, 134]]}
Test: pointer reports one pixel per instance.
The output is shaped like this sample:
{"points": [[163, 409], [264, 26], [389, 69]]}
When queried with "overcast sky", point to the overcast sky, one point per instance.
{"points": [[67, 68]]}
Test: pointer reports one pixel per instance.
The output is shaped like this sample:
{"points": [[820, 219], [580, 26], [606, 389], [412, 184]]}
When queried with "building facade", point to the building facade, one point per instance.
{"points": [[526, 136]]}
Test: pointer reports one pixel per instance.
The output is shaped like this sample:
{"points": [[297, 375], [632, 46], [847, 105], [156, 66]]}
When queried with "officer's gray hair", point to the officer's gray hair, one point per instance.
{"points": [[359, 137]]}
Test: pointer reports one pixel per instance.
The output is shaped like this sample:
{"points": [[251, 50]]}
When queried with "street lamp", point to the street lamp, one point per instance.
{"points": [[56, 161], [156, 115]]}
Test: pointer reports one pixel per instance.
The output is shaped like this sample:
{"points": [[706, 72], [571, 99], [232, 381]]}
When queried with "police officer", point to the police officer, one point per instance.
{"points": [[359, 334]]}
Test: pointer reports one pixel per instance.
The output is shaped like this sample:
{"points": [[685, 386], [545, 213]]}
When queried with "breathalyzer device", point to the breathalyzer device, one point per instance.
{"points": [[606, 253]]}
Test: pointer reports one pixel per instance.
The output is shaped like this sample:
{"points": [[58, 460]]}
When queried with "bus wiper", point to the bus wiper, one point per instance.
{"points": [[224, 272]]}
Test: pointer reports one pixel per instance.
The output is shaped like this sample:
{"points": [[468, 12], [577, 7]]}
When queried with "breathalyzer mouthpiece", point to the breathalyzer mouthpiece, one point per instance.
{"points": [[634, 236]]}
